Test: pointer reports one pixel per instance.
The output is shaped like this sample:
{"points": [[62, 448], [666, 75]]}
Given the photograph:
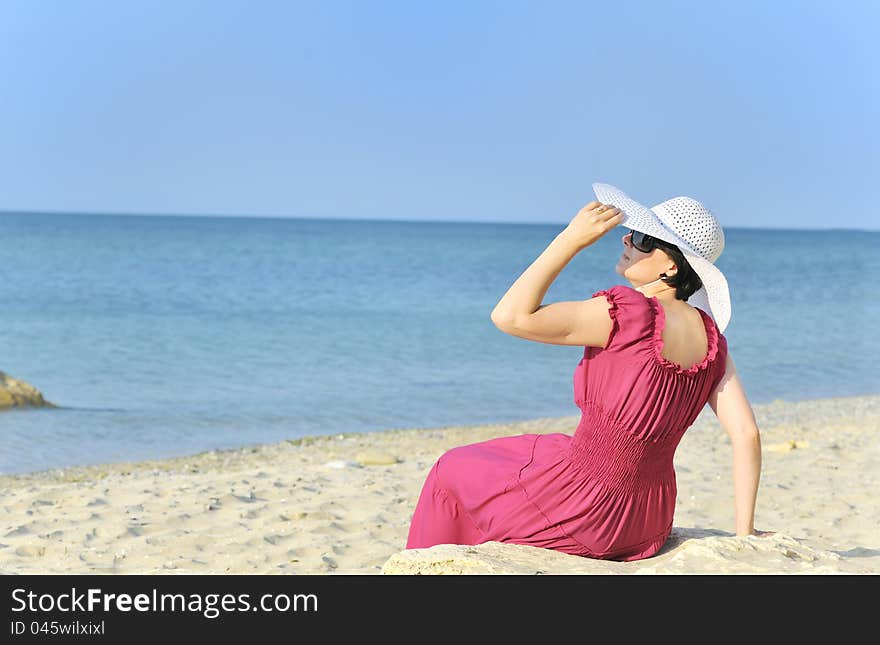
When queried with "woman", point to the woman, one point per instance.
{"points": [[654, 356]]}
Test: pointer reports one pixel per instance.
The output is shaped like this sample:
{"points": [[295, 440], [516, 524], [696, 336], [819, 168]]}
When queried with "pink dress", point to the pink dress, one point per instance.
{"points": [[606, 492]]}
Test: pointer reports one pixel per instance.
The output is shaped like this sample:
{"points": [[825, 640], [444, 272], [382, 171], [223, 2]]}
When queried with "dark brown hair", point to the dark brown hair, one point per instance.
{"points": [[686, 281]]}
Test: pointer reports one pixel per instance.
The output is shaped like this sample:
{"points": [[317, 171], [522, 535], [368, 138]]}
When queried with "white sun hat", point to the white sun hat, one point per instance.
{"points": [[691, 227]]}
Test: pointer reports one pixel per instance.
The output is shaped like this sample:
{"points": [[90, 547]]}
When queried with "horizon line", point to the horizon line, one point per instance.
{"points": [[367, 219]]}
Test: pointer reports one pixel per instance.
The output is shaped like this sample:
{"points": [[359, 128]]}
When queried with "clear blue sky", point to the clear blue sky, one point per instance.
{"points": [[767, 111]]}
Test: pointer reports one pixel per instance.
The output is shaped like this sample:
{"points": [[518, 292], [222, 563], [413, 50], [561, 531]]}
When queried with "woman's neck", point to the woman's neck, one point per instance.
{"points": [[661, 291]]}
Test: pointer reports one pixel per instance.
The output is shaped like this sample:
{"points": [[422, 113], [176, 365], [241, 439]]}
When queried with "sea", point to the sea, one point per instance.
{"points": [[160, 336]]}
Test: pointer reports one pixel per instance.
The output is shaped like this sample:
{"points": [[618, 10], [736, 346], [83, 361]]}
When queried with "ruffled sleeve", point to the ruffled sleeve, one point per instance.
{"points": [[632, 319], [720, 361]]}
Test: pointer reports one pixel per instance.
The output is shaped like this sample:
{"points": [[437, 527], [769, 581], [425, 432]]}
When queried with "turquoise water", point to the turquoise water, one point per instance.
{"points": [[164, 336]]}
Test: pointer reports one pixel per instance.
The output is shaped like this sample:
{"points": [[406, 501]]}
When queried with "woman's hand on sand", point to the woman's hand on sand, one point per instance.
{"points": [[592, 222]]}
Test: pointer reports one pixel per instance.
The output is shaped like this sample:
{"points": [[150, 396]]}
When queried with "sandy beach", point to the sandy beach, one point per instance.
{"points": [[341, 504]]}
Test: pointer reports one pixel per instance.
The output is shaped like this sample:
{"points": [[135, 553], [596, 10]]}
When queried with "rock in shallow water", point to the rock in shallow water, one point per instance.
{"points": [[688, 551], [15, 393]]}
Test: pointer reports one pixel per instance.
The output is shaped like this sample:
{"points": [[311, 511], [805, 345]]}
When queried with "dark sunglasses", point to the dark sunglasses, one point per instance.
{"points": [[642, 241]]}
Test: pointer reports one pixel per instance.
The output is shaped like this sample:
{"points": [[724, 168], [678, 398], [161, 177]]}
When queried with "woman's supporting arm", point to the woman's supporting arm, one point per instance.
{"points": [[746, 475], [731, 406]]}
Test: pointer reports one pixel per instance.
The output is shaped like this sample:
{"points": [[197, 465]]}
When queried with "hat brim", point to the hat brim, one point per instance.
{"points": [[714, 296]]}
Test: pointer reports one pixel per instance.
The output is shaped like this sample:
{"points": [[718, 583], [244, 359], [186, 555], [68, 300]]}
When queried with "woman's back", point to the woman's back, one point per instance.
{"points": [[684, 340]]}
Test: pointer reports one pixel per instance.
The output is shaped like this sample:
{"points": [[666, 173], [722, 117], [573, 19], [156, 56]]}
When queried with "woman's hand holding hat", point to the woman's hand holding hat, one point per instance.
{"points": [[592, 222]]}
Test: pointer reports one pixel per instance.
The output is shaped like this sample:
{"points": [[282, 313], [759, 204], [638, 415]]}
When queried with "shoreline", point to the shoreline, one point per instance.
{"points": [[341, 503], [773, 412]]}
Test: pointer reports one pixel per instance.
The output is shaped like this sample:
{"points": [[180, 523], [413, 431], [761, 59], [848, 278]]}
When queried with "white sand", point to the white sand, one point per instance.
{"points": [[342, 504]]}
